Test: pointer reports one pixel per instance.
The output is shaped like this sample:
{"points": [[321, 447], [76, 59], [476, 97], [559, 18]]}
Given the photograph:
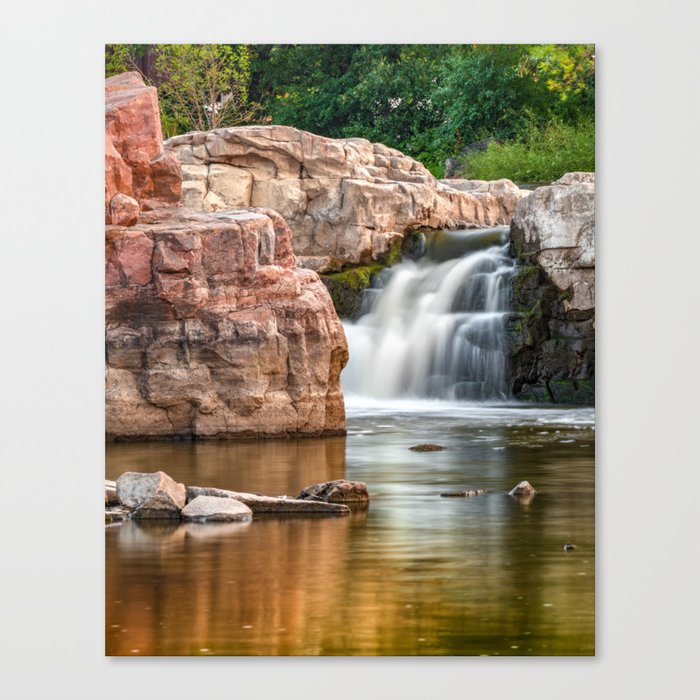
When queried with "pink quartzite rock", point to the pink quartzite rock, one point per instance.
{"points": [[212, 330], [135, 162], [153, 495], [124, 210]]}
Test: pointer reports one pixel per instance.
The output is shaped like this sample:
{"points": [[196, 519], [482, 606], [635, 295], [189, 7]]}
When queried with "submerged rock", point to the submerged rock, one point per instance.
{"points": [[463, 494], [213, 509], [568, 547], [427, 447], [269, 504], [338, 491], [524, 488], [153, 495]]}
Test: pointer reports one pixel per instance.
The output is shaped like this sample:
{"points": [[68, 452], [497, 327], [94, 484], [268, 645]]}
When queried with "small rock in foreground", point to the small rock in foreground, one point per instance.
{"points": [[338, 491], [215, 509], [427, 447], [153, 495], [524, 488], [463, 494]]}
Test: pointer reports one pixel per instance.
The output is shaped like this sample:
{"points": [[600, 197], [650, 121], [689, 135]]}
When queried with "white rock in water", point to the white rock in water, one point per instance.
{"points": [[215, 509]]}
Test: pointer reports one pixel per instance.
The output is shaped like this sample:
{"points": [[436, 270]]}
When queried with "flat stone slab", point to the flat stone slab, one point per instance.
{"points": [[215, 509], [150, 495], [270, 504]]}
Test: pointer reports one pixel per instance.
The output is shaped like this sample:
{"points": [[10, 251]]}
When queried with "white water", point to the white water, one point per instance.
{"points": [[436, 328]]}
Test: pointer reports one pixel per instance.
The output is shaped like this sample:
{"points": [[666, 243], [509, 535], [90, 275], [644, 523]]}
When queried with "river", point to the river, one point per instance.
{"points": [[414, 574]]}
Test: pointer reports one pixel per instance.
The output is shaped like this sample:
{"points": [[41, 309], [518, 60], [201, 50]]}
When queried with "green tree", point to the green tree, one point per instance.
{"points": [[205, 85]]}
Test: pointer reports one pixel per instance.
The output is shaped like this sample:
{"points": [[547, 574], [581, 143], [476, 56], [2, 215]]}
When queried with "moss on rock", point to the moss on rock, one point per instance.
{"points": [[347, 287]]}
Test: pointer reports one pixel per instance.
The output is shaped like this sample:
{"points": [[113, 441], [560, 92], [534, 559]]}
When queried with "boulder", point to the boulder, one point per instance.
{"points": [[213, 509], [338, 491], [150, 495], [427, 447], [555, 228], [269, 504], [345, 200], [136, 163], [124, 210], [524, 488]]}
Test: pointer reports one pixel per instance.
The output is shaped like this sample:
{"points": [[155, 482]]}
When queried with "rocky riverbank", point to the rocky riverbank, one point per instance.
{"points": [[156, 496], [551, 330]]}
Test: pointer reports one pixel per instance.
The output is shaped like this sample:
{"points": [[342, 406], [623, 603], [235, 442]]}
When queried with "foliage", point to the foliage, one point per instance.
{"points": [[539, 155], [205, 85], [200, 86], [429, 101]]}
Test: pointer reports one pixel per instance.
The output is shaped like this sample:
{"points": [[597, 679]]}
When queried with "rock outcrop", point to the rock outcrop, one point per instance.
{"points": [[347, 201], [552, 328], [139, 173], [212, 332]]}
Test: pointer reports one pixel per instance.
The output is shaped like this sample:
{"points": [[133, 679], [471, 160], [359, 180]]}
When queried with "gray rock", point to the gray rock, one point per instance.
{"points": [[524, 488], [270, 504], [338, 491], [213, 509], [153, 495]]}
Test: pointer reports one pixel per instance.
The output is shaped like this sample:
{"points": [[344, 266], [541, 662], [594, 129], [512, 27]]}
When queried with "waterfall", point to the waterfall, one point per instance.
{"points": [[434, 328]]}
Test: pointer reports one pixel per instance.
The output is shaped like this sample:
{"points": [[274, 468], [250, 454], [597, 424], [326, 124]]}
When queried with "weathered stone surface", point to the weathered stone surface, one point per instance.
{"points": [[345, 200], [136, 164], [338, 491], [212, 332], [270, 504], [555, 228], [551, 332], [124, 210], [524, 488], [153, 495], [213, 509]]}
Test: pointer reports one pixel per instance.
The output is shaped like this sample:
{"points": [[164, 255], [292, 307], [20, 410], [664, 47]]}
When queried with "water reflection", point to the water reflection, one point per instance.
{"points": [[416, 574]]}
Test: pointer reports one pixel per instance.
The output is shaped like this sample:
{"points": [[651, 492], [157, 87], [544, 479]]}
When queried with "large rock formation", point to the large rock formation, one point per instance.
{"points": [[552, 329], [347, 201], [212, 332], [139, 173]]}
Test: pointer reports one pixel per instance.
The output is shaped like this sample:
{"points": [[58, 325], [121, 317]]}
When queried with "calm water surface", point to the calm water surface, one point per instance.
{"points": [[416, 574]]}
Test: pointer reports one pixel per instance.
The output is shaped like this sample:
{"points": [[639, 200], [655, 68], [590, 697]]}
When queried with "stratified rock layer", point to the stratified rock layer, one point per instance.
{"points": [[347, 201], [552, 330], [211, 330]]}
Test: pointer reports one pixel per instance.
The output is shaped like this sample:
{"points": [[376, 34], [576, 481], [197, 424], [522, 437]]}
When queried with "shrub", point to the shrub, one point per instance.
{"points": [[540, 155]]}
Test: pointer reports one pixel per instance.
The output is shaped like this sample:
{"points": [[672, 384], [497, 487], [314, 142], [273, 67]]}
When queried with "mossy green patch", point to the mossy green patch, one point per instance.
{"points": [[347, 287]]}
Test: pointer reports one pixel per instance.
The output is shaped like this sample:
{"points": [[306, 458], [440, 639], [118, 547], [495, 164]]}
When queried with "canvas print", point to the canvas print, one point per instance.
{"points": [[350, 335]]}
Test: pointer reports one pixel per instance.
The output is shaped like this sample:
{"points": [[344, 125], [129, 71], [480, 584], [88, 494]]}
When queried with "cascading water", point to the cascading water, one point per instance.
{"points": [[435, 328]]}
